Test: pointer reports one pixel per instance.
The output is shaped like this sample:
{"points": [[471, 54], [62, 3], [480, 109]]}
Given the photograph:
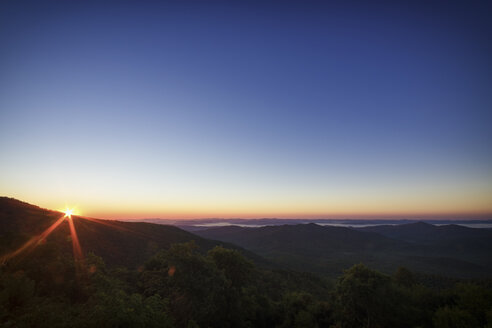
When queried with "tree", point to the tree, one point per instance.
{"points": [[404, 277], [475, 300], [303, 310], [234, 266], [363, 298], [192, 283], [453, 317]]}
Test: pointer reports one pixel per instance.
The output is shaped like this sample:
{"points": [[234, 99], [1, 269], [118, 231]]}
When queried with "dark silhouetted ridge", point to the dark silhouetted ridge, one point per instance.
{"points": [[118, 243], [456, 250]]}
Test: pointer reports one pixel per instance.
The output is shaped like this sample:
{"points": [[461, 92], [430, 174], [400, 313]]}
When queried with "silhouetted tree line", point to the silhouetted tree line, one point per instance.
{"points": [[181, 287]]}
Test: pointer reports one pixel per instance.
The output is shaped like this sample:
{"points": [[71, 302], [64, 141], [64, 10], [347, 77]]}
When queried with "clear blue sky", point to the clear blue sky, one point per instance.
{"points": [[251, 109]]}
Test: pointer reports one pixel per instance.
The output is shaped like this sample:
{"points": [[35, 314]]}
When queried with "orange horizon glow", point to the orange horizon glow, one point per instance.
{"points": [[334, 209], [127, 212], [371, 216], [342, 210], [197, 215], [287, 198]]}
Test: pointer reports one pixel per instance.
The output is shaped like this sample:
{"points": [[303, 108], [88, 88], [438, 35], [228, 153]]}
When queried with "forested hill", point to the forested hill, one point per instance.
{"points": [[118, 243], [447, 250], [161, 276], [304, 237], [421, 232]]}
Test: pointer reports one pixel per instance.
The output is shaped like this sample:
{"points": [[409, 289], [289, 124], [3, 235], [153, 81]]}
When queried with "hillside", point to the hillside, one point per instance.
{"points": [[421, 232], [131, 283], [118, 243], [450, 250]]}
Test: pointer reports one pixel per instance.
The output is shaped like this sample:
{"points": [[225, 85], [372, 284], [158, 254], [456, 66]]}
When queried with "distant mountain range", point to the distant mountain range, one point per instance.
{"points": [[200, 224], [452, 250]]}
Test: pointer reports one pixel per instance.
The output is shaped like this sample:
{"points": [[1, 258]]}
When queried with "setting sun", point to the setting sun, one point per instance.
{"points": [[69, 212]]}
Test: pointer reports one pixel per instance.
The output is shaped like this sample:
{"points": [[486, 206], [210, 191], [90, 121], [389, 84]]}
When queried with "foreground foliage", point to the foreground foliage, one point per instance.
{"points": [[182, 287]]}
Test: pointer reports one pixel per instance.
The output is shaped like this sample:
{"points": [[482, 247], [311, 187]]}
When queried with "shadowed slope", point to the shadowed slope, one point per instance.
{"points": [[421, 232], [330, 249], [118, 243], [302, 237]]}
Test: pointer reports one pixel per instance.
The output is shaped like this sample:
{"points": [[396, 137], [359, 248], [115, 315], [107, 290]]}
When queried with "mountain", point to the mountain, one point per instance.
{"points": [[421, 232], [468, 244], [302, 237], [43, 282], [451, 250], [118, 243]]}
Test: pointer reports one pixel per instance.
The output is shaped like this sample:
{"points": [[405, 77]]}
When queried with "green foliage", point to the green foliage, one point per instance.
{"points": [[118, 309], [183, 287], [453, 317], [303, 310], [234, 266], [363, 298], [475, 300], [16, 290], [16, 293], [489, 318], [49, 312], [192, 283], [404, 277]]}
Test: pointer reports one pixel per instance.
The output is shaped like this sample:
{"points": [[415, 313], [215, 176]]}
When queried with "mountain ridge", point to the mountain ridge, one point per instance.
{"points": [[117, 242], [328, 249]]}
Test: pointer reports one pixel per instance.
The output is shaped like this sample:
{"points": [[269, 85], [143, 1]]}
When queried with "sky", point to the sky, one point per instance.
{"points": [[194, 109]]}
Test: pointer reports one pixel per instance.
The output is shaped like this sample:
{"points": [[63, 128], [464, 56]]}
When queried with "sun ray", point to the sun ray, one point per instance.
{"points": [[33, 242], [114, 226], [77, 250], [69, 216]]}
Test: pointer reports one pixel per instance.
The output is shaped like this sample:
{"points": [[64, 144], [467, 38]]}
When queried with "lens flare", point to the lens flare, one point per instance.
{"points": [[33, 242], [36, 240], [77, 250]]}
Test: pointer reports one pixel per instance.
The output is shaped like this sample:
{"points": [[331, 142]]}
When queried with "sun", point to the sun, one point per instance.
{"points": [[68, 212]]}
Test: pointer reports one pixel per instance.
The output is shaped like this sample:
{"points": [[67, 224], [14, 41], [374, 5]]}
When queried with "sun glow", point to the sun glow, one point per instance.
{"points": [[69, 212], [37, 240], [78, 254]]}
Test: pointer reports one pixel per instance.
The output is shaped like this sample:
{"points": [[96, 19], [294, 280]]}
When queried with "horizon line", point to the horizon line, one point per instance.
{"points": [[312, 217]]}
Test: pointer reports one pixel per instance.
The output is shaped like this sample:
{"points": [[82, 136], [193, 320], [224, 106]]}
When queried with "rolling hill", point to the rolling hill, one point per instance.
{"points": [[425, 233], [46, 286], [450, 250], [118, 243]]}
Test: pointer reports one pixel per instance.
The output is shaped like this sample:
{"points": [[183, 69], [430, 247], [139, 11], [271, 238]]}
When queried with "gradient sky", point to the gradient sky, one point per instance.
{"points": [[190, 109]]}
